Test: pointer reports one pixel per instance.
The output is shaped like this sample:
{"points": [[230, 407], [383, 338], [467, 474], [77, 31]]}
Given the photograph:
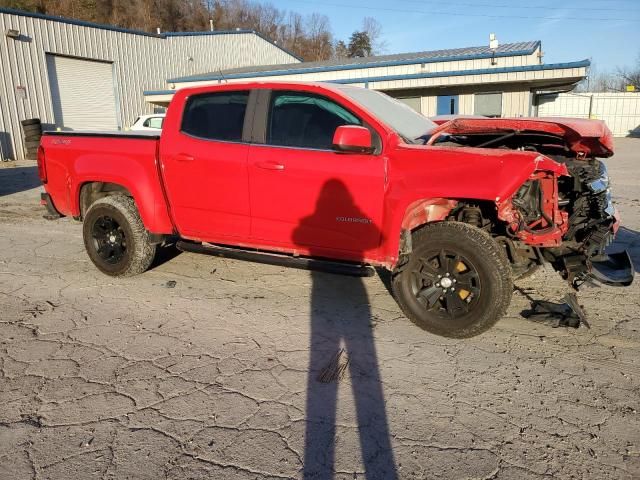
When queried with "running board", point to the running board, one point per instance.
{"points": [[304, 263]]}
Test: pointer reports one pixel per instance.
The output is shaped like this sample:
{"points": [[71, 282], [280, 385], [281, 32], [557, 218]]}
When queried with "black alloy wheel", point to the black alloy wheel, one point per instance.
{"points": [[446, 283], [456, 282], [115, 237], [109, 239]]}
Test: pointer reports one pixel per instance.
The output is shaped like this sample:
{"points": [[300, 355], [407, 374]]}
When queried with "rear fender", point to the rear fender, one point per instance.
{"points": [[140, 181]]}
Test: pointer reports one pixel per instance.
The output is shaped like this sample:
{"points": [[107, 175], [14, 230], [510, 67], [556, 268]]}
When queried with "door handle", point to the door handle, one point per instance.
{"points": [[183, 157], [270, 165]]}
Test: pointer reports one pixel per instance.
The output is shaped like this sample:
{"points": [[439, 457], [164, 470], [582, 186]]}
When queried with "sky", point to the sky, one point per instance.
{"points": [[605, 31]]}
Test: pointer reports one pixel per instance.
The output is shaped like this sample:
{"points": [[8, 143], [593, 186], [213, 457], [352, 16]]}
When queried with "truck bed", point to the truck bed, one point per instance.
{"points": [[104, 133], [126, 159]]}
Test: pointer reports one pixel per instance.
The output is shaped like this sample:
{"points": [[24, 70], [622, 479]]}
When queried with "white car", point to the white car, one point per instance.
{"points": [[149, 122]]}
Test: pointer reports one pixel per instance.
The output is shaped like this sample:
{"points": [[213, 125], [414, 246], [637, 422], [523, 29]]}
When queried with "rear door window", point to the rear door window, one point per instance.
{"points": [[216, 116]]}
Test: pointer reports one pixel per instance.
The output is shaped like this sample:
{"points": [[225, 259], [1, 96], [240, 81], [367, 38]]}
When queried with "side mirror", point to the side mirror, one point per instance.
{"points": [[352, 139]]}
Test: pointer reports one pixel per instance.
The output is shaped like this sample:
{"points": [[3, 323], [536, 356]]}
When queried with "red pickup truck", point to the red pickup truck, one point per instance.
{"points": [[339, 177]]}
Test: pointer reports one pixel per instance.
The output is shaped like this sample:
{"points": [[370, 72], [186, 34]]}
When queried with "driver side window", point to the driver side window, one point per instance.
{"points": [[300, 119]]}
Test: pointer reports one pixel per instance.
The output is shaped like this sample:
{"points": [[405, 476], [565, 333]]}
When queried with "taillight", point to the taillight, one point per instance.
{"points": [[42, 168]]}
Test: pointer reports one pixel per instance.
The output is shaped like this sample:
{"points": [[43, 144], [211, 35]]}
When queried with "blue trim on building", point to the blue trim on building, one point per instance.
{"points": [[353, 66], [158, 92], [197, 34], [459, 73], [81, 23]]}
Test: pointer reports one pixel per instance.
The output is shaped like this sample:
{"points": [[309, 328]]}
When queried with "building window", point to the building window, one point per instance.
{"points": [[413, 102], [447, 105], [487, 104]]}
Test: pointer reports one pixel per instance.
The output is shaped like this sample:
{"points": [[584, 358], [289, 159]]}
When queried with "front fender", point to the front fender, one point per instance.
{"points": [[434, 177]]}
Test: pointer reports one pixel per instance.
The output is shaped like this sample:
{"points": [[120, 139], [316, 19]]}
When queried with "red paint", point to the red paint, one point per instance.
{"points": [[585, 137], [352, 138], [343, 205], [42, 167]]}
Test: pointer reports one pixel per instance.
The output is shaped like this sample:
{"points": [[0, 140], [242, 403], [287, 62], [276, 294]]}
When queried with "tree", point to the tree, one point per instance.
{"points": [[359, 45], [340, 50], [364, 42], [609, 81], [374, 30], [631, 76]]}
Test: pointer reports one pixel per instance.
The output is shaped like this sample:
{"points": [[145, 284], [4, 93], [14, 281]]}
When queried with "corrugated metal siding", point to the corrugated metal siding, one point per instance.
{"points": [[620, 111], [516, 104], [140, 63]]}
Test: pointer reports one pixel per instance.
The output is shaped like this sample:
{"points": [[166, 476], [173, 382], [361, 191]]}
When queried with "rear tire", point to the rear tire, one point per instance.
{"points": [[456, 282], [115, 238]]}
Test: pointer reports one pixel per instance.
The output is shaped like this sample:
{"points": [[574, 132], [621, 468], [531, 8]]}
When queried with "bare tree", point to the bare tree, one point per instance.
{"points": [[373, 29], [631, 76], [319, 38]]}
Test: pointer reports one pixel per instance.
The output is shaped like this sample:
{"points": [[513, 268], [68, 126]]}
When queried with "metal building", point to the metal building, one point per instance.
{"points": [[79, 75], [493, 80], [619, 110]]}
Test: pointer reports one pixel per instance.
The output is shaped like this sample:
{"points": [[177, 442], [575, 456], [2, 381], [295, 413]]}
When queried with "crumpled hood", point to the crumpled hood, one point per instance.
{"points": [[584, 137]]}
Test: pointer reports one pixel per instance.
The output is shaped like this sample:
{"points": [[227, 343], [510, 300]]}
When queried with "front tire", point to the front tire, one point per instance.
{"points": [[456, 282], [115, 238]]}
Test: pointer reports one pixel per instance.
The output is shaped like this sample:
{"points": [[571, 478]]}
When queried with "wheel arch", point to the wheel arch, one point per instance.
{"points": [[92, 191], [425, 211]]}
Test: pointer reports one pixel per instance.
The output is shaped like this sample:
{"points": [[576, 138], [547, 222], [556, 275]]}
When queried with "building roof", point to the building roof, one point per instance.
{"points": [[447, 55]]}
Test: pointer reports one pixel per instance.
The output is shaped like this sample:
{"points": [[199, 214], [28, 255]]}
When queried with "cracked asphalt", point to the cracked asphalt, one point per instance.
{"points": [[213, 377]]}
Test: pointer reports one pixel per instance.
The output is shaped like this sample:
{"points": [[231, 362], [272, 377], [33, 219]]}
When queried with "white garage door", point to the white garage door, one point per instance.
{"points": [[83, 93]]}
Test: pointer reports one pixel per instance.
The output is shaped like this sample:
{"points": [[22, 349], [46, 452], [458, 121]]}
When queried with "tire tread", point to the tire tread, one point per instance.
{"points": [[490, 249], [144, 250]]}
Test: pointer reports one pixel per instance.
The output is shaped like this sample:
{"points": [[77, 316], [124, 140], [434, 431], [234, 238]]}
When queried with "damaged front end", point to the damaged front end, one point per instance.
{"points": [[563, 213], [593, 223], [570, 217]]}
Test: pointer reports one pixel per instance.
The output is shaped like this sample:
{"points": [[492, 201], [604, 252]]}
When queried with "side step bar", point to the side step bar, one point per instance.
{"points": [[304, 263]]}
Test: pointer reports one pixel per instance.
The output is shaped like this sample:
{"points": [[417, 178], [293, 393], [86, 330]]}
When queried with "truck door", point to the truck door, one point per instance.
{"points": [[305, 196], [205, 167]]}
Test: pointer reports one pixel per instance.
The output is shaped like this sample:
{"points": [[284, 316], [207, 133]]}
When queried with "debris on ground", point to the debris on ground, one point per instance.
{"points": [[569, 313], [336, 369], [171, 284]]}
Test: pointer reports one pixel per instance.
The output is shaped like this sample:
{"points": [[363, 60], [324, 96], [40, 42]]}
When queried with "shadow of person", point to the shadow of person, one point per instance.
{"points": [[341, 340]]}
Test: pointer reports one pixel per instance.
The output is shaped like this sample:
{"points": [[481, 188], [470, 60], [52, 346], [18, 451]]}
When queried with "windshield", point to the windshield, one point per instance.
{"points": [[405, 121]]}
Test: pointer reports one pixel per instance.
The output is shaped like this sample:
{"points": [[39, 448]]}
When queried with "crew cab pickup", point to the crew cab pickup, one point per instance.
{"points": [[348, 178]]}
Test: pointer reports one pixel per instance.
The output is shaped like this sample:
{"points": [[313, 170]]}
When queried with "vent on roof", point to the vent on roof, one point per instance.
{"points": [[493, 41]]}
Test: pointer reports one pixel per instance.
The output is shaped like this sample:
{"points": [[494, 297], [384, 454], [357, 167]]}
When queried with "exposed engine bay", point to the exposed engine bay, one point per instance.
{"points": [[563, 214]]}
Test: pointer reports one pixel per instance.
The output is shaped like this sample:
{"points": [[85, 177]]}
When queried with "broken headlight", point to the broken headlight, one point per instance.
{"points": [[601, 183]]}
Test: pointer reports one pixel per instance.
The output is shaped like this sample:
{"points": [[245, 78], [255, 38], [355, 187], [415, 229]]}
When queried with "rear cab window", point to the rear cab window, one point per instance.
{"points": [[216, 116]]}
